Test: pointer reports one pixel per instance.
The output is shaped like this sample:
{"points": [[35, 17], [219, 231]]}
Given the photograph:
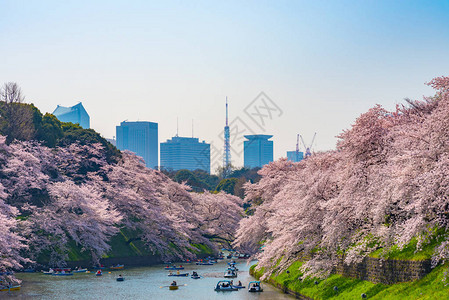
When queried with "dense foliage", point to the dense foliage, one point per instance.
{"points": [[62, 185], [200, 180], [385, 185], [73, 194]]}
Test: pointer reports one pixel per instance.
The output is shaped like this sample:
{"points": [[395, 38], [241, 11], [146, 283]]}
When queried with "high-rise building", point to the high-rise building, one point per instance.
{"points": [[75, 114], [295, 156], [258, 150], [141, 138], [185, 153]]}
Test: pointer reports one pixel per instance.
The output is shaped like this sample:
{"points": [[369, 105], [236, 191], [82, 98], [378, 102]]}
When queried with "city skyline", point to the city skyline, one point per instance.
{"points": [[157, 61]]}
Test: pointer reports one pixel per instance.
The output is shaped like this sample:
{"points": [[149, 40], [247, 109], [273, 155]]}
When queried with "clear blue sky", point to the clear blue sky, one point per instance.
{"points": [[322, 62]]}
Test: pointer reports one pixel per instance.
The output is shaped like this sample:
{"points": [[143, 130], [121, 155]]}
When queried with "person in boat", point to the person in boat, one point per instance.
{"points": [[240, 283], [170, 273], [120, 276], [99, 272], [180, 266], [174, 283], [232, 282], [177, 272], [194, 273]]}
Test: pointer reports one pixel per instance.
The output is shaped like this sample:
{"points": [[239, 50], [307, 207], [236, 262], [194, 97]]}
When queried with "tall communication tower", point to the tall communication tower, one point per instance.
{"points": [[227, 146]]}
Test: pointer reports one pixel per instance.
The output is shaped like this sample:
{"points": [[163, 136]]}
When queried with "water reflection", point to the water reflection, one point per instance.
{"points": [[140, 283]]}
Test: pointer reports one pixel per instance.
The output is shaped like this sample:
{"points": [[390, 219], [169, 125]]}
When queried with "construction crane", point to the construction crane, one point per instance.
{"points": [[308, 149]]}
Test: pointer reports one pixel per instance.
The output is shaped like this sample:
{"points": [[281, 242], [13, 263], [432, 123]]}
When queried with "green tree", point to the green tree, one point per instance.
{"points": [[48, 129], [227, 185]]}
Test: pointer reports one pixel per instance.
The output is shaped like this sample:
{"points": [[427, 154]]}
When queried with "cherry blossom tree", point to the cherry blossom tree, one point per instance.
{"points": [[383, 186]]}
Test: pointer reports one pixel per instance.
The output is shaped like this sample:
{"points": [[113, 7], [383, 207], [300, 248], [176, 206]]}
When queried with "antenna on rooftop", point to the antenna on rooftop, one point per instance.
{"points": [[192, 128], [177, 126]]}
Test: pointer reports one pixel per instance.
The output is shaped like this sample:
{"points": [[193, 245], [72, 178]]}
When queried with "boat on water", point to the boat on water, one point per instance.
{"points": [[6, 273], [62, 269], [225, 286], [100, 267], [63, 273], [230, 274], [49, 272], [174, 268], [10, 288], [173, 286], [99, 273], [117, 267], [120, 278], [239, 286], [80, 270], [201, 263], [179, 275], [254, 287], [195, 275]]}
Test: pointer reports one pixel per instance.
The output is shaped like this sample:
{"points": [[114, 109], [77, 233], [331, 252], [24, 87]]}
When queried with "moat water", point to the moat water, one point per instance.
{"points": [[140, 283]]}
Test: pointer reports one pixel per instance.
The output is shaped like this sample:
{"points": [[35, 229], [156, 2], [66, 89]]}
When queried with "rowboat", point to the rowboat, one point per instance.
{"points": [[179, 275], [117, 267], [173, 287], [80, 271], [49, 272], [99, 267], [62, 274], [6, 273], [10, 288], [120, 279], [204, 263]]}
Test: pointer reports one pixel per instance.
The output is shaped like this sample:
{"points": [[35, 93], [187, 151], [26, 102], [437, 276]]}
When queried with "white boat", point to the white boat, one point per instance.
{"points": [[230, 274]]}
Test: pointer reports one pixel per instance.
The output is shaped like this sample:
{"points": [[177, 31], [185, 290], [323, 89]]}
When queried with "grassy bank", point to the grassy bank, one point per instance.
{"points": [[125, 244], [431, 286]]}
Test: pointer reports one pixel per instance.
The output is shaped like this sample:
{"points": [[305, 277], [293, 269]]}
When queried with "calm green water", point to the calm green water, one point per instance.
{"points": [[140, 283]]}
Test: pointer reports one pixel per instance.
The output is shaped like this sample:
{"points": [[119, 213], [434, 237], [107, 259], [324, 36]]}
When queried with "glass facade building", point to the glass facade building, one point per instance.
{"points": [[141, 138], [257, 150], [185, 153], [291, 155], [75, 114]]}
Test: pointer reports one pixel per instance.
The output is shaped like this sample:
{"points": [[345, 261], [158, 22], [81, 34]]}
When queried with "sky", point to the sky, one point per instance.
{"points": [[318, 64]]}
